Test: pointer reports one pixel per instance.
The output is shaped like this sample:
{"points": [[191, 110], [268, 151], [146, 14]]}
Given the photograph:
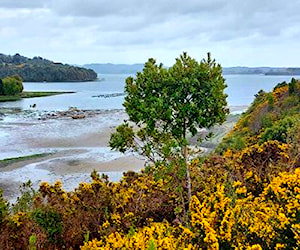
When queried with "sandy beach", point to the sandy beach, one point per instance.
{"points": [[77, 148]]}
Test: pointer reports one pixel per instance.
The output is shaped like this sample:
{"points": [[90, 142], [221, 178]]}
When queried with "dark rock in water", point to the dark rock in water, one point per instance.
{"points": [[109, 95], [73, 113], [78, 116]]}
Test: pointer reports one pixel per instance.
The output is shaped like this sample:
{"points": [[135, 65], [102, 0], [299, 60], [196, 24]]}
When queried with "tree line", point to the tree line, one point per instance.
{"points": [[39, 69]]}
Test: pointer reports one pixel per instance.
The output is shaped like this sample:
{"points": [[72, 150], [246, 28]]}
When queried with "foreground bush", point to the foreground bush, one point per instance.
{"points": [[141, 212], [241, 221]]}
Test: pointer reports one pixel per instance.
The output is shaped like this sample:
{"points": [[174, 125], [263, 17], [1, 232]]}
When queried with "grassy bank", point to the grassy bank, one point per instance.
{"points": [[8, 161], [29, 95]]}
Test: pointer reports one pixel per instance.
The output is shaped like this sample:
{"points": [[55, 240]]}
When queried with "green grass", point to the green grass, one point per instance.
{"points": [[8, 161], [4, 98]]}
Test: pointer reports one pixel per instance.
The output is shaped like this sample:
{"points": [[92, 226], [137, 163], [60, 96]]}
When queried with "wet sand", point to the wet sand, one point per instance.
{"points": [[88, 139], [123, 164], [77, 148]]}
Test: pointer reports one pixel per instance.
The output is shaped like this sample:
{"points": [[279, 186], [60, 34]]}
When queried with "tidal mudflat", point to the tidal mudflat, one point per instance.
{"points": [[69, 149]]}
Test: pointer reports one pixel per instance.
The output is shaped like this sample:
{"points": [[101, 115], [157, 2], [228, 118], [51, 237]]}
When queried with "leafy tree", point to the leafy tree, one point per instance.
{"points": [[166, 105], [12, 85]]}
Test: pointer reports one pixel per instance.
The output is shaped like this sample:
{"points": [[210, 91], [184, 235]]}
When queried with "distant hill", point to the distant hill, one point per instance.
{"points": [[39, 69], [109, 68], [261, 70]]}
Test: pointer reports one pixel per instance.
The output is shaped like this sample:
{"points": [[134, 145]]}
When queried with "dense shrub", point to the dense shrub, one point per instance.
{"points": [[11, 85], [51, 222], [220, 221], [239, 199], [279, 131]]}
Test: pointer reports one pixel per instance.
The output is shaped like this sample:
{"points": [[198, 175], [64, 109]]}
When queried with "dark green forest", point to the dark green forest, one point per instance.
{"points": [[39, 69]]}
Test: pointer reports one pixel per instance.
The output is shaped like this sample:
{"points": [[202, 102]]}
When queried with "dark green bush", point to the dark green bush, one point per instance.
{"points": [[292, 86], [12, 85], [270, 101], [267, 121], [51, 221], [236, 142], [278, 131]]}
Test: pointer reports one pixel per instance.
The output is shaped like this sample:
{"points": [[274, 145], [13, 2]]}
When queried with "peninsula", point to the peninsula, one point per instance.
{"points": [[39, 69]]}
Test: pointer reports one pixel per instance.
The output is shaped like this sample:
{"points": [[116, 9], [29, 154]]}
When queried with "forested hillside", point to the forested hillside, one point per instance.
{"points": [[246, 196], [38, 69]]}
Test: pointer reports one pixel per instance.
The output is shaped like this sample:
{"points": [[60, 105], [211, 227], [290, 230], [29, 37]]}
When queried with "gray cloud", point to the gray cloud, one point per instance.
{"points": [[79, 31], [22, 4], [98, 8]]}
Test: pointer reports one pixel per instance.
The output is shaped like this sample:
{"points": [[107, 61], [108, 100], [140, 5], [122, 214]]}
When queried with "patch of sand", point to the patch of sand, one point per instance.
{"points": [[90, 139], [10, 188], [123, 164]]}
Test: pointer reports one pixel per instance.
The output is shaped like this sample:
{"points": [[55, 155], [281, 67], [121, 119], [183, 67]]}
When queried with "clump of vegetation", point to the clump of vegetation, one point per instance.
{"points": [[246, 196], [11, 85]]}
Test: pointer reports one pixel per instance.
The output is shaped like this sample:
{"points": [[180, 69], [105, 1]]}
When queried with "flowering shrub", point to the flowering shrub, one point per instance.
{"points": [[247, 197], [241, 221], [155, 236]]}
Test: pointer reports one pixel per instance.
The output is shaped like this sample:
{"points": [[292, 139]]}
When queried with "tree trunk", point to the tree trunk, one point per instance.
{"points": [[188, 177]]}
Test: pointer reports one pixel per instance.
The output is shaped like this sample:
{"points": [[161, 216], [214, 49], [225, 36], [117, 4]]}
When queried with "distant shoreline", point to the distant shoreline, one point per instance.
{"points": [[28, 94], [263, 74], [109, 68]]}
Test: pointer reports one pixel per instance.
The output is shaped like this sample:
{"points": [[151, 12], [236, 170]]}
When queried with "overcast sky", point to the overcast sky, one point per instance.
{"points": [[236, 32]]}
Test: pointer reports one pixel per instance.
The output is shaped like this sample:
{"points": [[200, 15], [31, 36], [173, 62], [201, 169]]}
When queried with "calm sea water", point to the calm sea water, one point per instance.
{"points": [[241, 90]]}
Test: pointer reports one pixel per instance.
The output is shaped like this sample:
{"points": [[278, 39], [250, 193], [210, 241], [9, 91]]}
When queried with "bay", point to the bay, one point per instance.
{"points": [[241, 90]]}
